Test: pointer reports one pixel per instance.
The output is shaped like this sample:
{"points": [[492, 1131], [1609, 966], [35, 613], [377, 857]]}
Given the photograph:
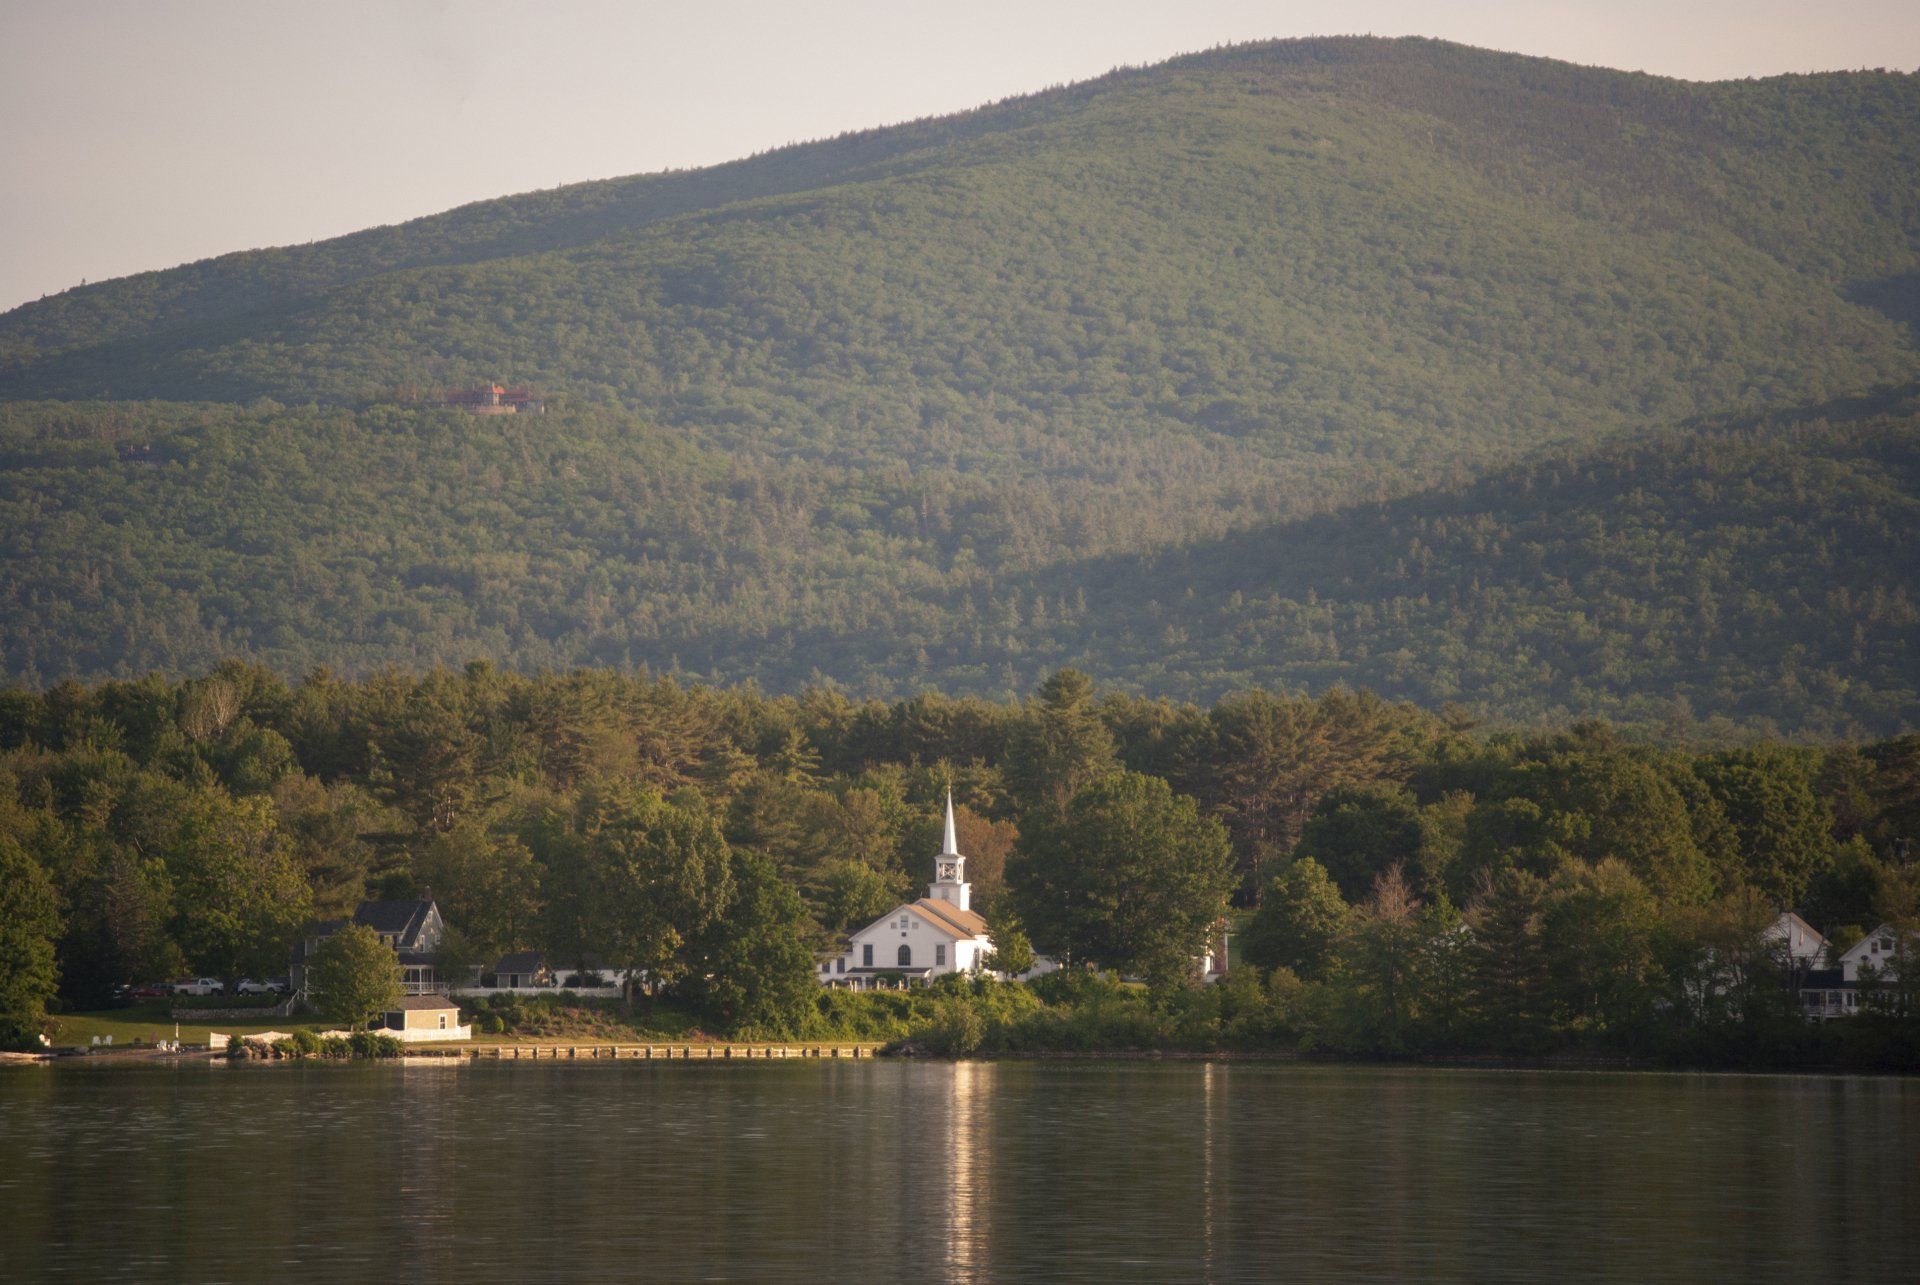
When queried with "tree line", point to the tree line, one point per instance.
{"points": [[716, 837]]}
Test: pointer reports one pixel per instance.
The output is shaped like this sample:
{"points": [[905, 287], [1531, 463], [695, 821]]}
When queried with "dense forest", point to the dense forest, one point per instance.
{"points": [[1555, 392], [1370, 419], [718, 836], [1719, 580]]}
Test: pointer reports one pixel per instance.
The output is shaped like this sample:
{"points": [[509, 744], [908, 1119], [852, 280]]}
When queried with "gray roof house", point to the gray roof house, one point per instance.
{"points": [[413, 928]]}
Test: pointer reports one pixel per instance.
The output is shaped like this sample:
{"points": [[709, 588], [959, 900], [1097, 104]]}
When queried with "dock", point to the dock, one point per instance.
{"points": [[547, 1051]]}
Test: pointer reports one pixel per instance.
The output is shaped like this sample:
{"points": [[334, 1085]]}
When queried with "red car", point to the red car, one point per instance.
{"points": [[148, 992]]}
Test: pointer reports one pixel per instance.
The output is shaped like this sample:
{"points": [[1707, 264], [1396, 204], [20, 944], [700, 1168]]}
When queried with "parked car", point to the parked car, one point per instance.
{"points": [[199, 986], [148, 990], [251, 987]]}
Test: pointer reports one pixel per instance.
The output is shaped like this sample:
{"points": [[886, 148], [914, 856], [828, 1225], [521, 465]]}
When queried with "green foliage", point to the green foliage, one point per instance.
{"points": [[1301, 920], [29, 926], [353, 975], [1385, 363], [706, 830], [1012, 952], [1130, 876], [751, 966]]}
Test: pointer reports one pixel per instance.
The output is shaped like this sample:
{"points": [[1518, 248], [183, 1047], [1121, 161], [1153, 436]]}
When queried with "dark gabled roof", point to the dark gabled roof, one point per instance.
{"points": [[1822, 979], [520, 961], [401, 917]]}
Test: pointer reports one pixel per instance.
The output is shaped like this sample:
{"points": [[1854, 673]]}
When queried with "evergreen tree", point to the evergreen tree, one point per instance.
{"points": [[1511, 999]]}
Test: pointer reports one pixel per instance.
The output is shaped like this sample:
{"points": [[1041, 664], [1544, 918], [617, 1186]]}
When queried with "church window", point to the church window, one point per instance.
{"points": [[866, 955], [940, 954], [906, 955], [840, 964]]}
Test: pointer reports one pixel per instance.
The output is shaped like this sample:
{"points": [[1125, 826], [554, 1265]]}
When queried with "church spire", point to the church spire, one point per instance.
{"points": [[950, 868]]}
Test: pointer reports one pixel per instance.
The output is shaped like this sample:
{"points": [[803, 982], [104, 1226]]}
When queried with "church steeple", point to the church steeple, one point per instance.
{"points": [[950, 868]]}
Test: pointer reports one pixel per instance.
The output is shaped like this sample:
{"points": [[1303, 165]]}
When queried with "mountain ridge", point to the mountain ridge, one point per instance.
{"points": [[851, 407]]}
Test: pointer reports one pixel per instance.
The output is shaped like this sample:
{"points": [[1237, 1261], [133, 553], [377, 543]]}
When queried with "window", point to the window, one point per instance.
{"points": [[940, 954], [443, 1021], [840, 964], [906, 955], [1886, 943], [866, 955]]}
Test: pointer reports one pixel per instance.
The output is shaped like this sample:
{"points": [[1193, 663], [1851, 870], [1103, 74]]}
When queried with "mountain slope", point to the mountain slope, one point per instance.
{"points": [[1746, 575], [1358, 256], [1385, 362]]}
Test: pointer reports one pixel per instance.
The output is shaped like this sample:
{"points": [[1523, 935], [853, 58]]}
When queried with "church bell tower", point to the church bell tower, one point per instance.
{"points": [[950, 869]]}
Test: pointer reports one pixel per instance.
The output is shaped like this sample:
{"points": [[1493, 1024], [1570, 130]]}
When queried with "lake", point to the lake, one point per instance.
{"points": [[884, 1171]]}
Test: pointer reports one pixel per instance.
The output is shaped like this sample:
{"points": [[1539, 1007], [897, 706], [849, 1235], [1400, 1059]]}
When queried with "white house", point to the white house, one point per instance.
{"points": [[1878, 950], [917, 941], [1835, 992], [1804, 945]]}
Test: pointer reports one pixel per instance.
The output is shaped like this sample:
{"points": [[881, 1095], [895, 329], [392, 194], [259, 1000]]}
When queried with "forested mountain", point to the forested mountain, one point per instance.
{"points": [[1464, 376], [1754, 574]]}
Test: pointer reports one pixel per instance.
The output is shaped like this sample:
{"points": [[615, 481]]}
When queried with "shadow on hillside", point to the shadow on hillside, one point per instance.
{"points": [[1896, 297]]}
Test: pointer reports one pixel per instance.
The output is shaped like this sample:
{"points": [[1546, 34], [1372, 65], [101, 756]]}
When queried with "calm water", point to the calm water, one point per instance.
{"points": [[933, 1171]]}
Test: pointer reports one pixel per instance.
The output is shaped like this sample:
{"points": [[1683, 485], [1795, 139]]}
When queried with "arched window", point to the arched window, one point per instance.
{"points": [[906, 955]]}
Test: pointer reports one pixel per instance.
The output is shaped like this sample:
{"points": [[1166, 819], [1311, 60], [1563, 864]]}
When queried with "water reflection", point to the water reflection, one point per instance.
{"points": [[962, 1172], [970, 1102]]}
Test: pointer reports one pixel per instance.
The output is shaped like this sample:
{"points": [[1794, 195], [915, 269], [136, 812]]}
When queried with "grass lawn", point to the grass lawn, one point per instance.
{"points": [[149, 1022]]}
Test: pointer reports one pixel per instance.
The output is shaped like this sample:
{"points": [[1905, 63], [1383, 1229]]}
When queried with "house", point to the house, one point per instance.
{"points": [[424, 1017], [1836, 992], [529, 970], [1879, 952], [521, 970], [1804, 945], [919, 940], [413, 928]]}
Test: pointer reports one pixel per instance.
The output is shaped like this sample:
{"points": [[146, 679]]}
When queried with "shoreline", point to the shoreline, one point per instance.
{"points": [[825, 1051]]}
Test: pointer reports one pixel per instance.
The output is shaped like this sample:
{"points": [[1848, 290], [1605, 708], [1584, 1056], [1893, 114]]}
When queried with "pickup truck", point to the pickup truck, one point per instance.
{"points": [[199, 986]]}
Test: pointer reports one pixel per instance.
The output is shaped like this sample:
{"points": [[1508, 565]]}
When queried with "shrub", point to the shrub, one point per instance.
{"points": [[371, 1044], [302, 1044]]}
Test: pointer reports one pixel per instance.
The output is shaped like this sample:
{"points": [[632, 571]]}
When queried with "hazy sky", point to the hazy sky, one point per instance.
{"points": [[145, 134]]}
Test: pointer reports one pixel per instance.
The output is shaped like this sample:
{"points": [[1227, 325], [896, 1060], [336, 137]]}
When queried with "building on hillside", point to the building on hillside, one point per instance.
{"points": [[424, 1017], [1836, 991], [523, 970], [413, 928], [520, 971], [1213, 963], [918, 941], [1804, 945], [492, 399], [1878, 953]]}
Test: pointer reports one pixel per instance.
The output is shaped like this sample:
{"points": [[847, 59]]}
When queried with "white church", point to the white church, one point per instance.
{"points": [[918, 941]]}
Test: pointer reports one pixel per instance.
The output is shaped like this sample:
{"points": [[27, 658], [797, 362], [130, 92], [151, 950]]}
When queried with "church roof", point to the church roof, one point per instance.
{"points": [[950, 919]]}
